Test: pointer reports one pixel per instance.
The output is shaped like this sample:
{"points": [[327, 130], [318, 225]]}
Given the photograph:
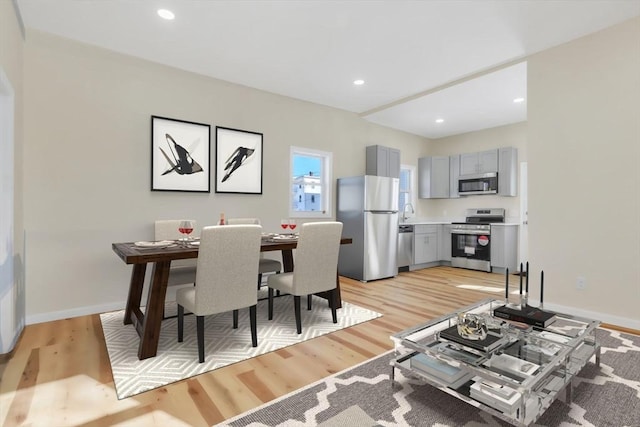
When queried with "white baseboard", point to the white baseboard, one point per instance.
{"points": [[603, 317], [75, 312]]}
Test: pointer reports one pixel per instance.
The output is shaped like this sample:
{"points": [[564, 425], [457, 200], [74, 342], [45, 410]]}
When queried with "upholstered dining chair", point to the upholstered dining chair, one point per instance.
{"points": [[315, 270], [266, 265], [225, 276], [182, 271]]}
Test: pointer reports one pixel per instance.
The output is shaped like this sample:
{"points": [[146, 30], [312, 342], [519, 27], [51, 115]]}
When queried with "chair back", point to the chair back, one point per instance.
{"points": [[227, 268], [316, 260], [167, 229], [237, 221]]}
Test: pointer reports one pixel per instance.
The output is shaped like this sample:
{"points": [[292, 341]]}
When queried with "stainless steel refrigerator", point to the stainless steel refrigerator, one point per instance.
{"points": [[368, 208]]}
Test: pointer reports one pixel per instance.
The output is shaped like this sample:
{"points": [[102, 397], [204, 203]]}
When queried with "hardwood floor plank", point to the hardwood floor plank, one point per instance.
{"points": [[59, 373]]}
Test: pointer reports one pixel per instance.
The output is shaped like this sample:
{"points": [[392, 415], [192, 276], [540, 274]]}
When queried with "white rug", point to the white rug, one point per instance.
{"points": [[223, 344]]}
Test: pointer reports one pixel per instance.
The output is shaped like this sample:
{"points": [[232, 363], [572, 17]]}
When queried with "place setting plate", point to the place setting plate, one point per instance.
{"points": [[284, 238], [154, 244]]}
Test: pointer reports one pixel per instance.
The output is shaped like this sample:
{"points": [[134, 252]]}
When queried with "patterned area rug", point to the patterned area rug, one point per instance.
{"points": [[363, 396], [223, 344]]}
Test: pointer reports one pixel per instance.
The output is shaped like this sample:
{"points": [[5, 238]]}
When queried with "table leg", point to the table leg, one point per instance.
{"points": [[153, 314], [135, 292], [287, 260]]}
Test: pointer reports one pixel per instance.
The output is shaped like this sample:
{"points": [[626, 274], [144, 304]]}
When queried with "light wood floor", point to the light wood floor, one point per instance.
{"points": [[59, 373]]}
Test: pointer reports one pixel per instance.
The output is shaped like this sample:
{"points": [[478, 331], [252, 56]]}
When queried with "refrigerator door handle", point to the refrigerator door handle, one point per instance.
{"points": [[382, 212]]}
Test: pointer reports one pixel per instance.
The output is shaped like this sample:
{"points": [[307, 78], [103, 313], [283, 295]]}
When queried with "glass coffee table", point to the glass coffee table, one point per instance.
{"points": [[515, 373]]}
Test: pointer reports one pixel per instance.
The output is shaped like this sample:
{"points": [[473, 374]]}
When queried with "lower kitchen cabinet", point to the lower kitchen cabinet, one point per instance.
{"points": [[425, 244], [504, 247], [445, 243]]}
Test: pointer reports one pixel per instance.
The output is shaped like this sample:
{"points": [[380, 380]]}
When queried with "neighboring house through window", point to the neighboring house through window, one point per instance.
{"points": [[310, 183]]}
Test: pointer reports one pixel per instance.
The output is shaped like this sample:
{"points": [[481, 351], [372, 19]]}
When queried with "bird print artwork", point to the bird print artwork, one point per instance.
{"points": [[182, 163], [235, 160]]}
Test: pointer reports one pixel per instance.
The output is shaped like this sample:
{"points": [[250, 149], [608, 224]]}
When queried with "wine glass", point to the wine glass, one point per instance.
{"points": [[185, 228], [292, 225], [284, 223]]}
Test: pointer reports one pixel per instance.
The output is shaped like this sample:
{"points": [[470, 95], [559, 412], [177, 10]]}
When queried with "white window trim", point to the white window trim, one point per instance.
{"points": [[326, 182]]}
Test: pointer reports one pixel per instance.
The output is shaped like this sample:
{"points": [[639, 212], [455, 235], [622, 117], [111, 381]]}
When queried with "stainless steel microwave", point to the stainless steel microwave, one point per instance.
{"points": [[484, 183]]}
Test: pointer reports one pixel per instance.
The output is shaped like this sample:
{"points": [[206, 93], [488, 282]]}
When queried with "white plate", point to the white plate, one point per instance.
{"points": [[159, 244], [195, 243], [285, 238]]}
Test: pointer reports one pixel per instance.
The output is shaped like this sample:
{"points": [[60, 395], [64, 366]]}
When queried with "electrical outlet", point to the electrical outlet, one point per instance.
{"points": [[581, 283]]}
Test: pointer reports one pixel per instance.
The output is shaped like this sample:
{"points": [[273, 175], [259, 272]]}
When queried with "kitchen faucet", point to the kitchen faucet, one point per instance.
{"points": [[404, 211]]}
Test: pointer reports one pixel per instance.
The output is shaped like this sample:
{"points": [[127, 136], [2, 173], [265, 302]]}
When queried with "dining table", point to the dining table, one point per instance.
{"points": [[148, 323]]}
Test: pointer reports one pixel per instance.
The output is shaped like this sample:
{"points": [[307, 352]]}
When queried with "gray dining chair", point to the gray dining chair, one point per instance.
{"points": [[315, 270], [266, 265], [182, 271], [225, 277]]}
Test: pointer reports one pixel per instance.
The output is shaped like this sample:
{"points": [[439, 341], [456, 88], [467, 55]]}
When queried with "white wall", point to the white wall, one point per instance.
{"points": [[514, 135], [87, 178], [584, 174]]}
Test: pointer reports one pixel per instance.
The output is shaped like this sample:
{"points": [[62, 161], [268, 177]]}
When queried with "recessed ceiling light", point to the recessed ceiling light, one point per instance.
{"points": [[439, 120], [166, 14], [358, 82], [518, 100]]}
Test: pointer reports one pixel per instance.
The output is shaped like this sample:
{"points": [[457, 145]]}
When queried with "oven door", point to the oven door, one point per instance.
{"points": [[471, 249]]}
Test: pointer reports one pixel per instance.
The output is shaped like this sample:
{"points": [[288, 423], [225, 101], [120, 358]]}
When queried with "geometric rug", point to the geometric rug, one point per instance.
{"points": [[223, 345], [364, 396]]}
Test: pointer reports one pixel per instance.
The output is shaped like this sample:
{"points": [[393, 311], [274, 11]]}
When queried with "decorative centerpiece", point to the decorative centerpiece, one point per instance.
{"points": [[472, 326]]}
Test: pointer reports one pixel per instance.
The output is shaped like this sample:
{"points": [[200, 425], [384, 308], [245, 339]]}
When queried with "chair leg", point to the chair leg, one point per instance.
{"points": [[235, 319], [254, 325], [333, 296], [270, 293], [200, 333], [180, 322], [296, 303], [309, 302], [259, 280]]}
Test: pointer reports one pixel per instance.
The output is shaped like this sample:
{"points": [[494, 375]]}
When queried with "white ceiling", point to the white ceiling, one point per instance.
{"points": [[420, 60]]}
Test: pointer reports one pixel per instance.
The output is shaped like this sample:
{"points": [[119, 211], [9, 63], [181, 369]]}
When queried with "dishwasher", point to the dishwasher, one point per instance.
{"points": [[405, 246]]}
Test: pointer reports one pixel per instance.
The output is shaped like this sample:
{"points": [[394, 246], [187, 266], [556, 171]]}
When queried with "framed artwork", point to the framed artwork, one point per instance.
{"points": [[180, 155], [238, 161]]}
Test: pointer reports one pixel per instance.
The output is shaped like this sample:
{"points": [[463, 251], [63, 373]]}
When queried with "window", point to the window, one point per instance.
{"points": [[310, 183], [407, 192]]}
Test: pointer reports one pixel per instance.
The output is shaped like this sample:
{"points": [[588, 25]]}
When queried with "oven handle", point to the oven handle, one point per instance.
{"points": [[474, 232]]}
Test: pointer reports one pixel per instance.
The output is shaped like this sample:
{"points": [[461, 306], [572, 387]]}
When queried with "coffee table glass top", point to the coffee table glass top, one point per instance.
{"points": [[515, 373]]}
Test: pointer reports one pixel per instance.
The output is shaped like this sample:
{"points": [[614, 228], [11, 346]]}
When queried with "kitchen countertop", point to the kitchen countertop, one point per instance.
{"points": [[419, 221]]}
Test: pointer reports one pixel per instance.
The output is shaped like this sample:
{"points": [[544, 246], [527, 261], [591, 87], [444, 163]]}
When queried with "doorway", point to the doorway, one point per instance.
{"points": [[11, 314]]}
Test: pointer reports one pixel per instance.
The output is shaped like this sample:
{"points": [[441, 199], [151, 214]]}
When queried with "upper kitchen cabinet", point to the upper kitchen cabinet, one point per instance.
{"points": [[454, 173], [479, 162], [433, 177], [383, 161], [508, 172]]}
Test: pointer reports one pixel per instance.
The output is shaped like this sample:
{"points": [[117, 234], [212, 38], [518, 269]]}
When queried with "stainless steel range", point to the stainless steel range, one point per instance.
{"points": [[471, 240]]}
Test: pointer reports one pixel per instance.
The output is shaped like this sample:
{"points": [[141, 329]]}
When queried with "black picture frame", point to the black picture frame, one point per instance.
{"points": [[180, 155], [239, 161]]}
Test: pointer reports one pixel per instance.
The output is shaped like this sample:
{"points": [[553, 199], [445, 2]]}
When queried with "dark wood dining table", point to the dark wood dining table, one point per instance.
{"points": [[148, 324]]}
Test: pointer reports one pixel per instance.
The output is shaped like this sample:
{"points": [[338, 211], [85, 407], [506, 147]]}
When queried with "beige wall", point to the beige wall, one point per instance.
{"points": [[584, 174], [87, 180], [514, 135]]}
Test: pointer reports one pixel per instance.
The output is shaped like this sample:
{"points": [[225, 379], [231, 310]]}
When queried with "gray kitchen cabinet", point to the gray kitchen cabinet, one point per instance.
{"points": [[433, 177], [504, 247], [382, 161], [444, 240], [508, 171], [479, 162], [454, 174], [425, 243]]}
